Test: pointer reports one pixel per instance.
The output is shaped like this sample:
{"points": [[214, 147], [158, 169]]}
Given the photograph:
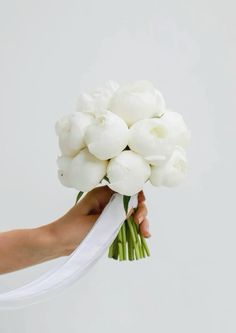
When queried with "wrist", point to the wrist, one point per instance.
{"points": [[52, 241], [70, 231], [59, 242]]}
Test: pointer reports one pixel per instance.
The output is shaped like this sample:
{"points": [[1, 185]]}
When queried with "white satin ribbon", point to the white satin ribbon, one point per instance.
{"points": [[85, 256]]}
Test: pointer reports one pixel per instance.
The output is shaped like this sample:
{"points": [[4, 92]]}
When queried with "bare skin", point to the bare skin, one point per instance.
{"points": [[27, 247]]}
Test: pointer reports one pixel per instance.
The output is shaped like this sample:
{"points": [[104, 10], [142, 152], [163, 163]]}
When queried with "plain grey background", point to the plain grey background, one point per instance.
{"points": [[50, 50]]}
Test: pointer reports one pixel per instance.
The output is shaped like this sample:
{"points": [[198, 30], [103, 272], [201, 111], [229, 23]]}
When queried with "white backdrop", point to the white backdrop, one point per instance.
{"points": [[50, 50]]}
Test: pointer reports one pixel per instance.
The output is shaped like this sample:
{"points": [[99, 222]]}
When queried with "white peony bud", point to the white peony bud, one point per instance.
{"points": [[98, 100], [172, 172], [107, 137], [177, 128], [151, 139], [127, 173], [136, 101], [70, 130], [86, 171], [63, 164]]}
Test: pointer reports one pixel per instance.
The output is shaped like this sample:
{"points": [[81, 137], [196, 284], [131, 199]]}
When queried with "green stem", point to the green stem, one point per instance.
{"points": [[142, 252], [145, 246], [137, 236], [133, 236], [115, 250], [120, 246], [123, 232], [111, 250], [130, 243]]}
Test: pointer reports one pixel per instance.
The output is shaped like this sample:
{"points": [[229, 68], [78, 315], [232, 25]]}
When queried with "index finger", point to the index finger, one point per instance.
{"points": [[141, 197]]}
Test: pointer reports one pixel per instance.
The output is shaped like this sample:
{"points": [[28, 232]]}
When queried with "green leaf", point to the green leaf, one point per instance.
{"points": [[126, 200], [106, 178], [79, 195]]}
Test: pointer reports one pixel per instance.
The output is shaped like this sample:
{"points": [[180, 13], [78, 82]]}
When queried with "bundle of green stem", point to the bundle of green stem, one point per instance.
{"points": [[129, 243]]}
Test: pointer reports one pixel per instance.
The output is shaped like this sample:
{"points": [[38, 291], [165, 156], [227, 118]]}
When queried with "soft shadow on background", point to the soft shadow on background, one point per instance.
{"points": [[50, 50]]}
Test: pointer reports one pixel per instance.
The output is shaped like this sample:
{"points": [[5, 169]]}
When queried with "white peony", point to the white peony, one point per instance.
{"points": [[151, 139], [172, 172], [63, 164], [86, 171], [70, 130], [98, 100], [136, 101], [127, 173], [107, 137], [178, 130]]}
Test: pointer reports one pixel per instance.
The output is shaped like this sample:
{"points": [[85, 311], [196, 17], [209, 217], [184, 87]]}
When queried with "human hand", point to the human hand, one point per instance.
{"points": [[77, 222], [95, 201]]}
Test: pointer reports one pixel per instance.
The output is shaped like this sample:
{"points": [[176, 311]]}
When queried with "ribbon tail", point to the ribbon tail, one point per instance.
{"points": [[77, 264]]}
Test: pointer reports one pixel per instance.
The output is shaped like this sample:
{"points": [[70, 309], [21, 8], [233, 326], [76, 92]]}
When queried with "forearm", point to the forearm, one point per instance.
{"points": [[23, 248]]}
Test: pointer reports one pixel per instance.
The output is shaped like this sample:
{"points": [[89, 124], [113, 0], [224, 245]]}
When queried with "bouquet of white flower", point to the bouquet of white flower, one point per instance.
{"points": [[122, 136]]}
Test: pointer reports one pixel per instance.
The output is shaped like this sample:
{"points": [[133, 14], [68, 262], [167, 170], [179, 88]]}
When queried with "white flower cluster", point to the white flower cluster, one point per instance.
{"points": [[125, 134]]}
